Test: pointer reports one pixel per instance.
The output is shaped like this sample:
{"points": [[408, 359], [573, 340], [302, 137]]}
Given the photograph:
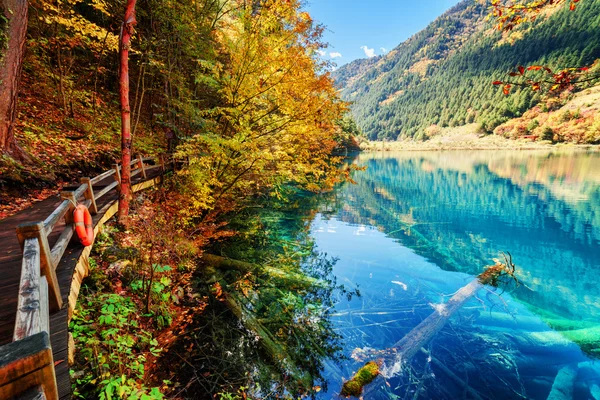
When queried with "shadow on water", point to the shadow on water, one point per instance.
{"points": [[418, 226]]}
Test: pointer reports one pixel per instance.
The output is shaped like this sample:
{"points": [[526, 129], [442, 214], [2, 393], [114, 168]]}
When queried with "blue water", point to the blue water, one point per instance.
{"points": [[416, 227]]}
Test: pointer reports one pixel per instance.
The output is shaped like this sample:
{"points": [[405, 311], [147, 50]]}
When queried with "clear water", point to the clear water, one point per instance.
{"points": [[418, 226]]}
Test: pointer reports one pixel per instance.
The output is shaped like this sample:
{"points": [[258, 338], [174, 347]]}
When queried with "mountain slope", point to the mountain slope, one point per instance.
{"points": [[443, 74]]}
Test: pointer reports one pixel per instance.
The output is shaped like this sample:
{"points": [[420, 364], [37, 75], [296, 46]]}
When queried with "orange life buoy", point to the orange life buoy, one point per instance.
{"points": [[83, 225]]}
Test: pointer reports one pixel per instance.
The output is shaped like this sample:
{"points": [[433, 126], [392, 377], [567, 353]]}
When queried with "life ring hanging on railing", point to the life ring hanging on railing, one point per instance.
{"points": [[83, 225]]}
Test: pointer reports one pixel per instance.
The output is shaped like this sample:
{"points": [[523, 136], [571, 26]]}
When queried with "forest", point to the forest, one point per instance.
{"points": [[443, 75]]}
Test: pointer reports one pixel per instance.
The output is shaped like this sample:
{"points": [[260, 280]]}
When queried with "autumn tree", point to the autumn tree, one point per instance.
{"points": [[125, 43], [275, 124], [15, 15]]}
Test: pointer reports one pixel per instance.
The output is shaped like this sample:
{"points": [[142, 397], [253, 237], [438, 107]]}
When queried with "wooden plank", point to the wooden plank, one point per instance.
{"points": [[35, 393], [72, 198], [107, 189], [102, 176], [44, 305], [61, 244], [56, 215], [80, 191], [29, 320], [25, 364], [152, 168], [140, 165], [135, 172], [117, 169], [36, 230]]}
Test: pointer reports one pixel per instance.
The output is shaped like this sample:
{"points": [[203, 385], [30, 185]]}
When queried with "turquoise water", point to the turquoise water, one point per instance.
{"points": [[416, 227]]}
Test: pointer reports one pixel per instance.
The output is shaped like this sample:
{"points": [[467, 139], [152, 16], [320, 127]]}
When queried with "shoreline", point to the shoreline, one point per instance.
{"points": [[374, 149]]}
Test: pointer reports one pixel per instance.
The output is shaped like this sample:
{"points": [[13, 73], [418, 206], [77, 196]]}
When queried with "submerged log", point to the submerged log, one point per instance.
{"points": [[266, 339], [404, 350], [223, 263], [460, 382], [562, 389], [595, 391]]}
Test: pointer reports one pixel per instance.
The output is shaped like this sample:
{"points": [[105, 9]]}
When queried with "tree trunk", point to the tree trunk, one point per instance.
{"points": [[15, 11], [126, 32]]}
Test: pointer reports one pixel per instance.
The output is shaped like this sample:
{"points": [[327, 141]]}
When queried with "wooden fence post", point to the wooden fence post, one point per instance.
{"points": [[117, 176], [35, 230], [162, 163], [141, 166], [69, 219], [32, 308], [89, 195], [26, 364]]}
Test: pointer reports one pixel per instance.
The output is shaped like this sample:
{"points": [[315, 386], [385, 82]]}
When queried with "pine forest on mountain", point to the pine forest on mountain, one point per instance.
{"points": [[443, 75]]}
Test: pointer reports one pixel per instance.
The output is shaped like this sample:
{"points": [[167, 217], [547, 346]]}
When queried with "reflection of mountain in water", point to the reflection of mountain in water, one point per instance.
{"points": [[460, 209]]}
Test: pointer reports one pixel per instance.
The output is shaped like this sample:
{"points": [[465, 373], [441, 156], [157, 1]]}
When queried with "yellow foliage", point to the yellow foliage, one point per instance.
{"points": [[82, 32], [277, 121]]}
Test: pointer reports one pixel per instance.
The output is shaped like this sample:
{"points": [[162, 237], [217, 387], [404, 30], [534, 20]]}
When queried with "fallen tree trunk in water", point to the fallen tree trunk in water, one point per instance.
{"points": [[562, 389], [404, 350], [266, 339], [294, 278]]}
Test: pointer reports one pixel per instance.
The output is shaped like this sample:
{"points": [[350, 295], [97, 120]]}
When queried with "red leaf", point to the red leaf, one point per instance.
{"points": [[497, 83], [521, 69]]}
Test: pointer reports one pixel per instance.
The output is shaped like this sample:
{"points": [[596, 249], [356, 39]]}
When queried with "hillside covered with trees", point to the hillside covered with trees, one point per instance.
{"points": [[443, 75]]}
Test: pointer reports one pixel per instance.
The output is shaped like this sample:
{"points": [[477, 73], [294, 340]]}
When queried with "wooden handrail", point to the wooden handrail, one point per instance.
{"points": [[107, 189], [56, 215], [26, 364], [32, 309], [102, 176]]}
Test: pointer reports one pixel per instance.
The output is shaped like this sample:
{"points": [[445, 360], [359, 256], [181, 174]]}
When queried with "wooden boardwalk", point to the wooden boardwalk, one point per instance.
{"points": [[10, 272]]}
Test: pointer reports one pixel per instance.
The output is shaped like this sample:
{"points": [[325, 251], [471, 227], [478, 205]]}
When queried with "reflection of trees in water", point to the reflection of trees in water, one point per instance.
{"points": [[461, 218], [290, 316]]}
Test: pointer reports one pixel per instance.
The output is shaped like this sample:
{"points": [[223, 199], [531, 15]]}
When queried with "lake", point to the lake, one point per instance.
{"points": [[416, 227]]}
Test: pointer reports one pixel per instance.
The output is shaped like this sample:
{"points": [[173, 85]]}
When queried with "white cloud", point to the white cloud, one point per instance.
{"points": [[321, 52], [383, 50], [335, 54], [368, 52]]}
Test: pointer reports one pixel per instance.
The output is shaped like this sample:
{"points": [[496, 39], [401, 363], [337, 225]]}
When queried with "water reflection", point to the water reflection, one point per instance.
{"points": [[452, 212]]}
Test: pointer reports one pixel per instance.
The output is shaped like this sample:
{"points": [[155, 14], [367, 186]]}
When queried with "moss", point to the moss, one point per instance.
{"points": [[363, 377]]}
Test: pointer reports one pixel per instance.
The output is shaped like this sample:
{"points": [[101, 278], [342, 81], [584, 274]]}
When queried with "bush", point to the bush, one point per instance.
{"points": [[547, 133], [593, 133], [565, 116], [532, 125]]}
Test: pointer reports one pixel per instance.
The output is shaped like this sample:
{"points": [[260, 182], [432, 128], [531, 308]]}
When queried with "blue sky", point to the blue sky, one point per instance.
{"points": [[361, 28]]}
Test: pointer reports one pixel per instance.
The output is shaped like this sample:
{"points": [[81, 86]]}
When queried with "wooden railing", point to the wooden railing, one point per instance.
{"points": [[26, 364]]}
